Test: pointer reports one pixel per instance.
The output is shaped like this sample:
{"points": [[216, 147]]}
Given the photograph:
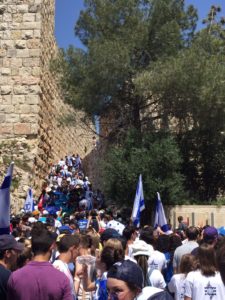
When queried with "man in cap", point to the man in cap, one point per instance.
{"points": [[9, 249]]}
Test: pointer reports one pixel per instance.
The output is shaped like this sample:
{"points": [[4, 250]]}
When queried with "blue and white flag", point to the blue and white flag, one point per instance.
{"points": [[160, 218], [139, 204], [29, 203], [5, 201]]}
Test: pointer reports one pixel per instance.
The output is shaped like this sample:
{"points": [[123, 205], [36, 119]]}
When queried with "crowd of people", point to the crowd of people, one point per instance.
{"points": [[86, 251]]}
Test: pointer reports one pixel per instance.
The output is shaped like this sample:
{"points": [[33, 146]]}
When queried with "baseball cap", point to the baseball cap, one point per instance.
{"points": [[127, 271], [8, 241], [210, 233]]}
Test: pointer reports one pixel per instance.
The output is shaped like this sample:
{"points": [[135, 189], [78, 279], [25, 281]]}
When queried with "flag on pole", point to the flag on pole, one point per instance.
{"points": [[160, 218], [139, 204], [5, 201], [29, 203]]}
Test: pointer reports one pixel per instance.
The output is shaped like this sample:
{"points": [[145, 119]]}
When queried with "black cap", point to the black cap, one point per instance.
{"points": [[127, 271], [109, 233], [8, 241]]}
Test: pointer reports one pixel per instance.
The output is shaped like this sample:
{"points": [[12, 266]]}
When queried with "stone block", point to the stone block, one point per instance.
{"points": [[25, 71], [2, 9], [23, 8], [32, 99], [22, 108], [12, 118], [16, 34], [7, 44], [28, 118], [7, 100], [34, 128], [31, 62], [2, 118], [15, 71], [22, 53], [38, 17], [36, 71], [22, 128], [34, 108], [11, 9], [7, 35], [34, 52], [30, 80], [6, 89], [20, 90], [34, 89], [16, 62], [31, 25], [29, 17], [20, 44], [33, 44], [6, 129], [18, 99], [37, 33], [12, 53], [3, 26], [2, 52], [34, 8], [17, 19], [7, 17], [5, 71], [7, 109], [27, 34]]}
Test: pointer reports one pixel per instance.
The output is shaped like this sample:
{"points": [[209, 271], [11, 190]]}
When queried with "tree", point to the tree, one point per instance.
{"points": [[157, 158], [121, 38], [190, 89]]}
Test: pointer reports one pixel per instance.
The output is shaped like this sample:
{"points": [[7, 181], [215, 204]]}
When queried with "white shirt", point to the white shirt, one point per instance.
{"points": [[63, 267], [157, 260], [147, 292], [200, 287], [157, 280], [177, 286]]}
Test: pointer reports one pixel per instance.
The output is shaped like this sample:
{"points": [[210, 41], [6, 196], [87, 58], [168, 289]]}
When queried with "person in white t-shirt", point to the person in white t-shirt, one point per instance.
{"points": [[68, 248], [176, 285], [152, 277], [206, 282]]}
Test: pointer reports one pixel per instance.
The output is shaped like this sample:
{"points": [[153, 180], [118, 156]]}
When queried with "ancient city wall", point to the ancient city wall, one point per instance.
{"points": [[31, 104], [197, 215]]}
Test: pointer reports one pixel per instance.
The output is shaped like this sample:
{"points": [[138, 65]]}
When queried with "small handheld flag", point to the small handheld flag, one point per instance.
{"points": [[160, 218], [139, 204], [29, 203], [5, 201]]}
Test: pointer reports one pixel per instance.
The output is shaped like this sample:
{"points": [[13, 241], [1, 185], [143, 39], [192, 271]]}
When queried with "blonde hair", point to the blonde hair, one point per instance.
{"points": [[114, 243]]}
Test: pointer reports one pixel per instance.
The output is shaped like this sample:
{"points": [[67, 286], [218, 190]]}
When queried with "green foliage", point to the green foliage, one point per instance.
{"points": [[189, 88], [157, 158]]}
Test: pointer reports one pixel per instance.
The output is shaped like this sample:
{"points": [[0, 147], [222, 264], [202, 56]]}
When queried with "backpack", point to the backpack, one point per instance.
{"points": [[164, 295]]}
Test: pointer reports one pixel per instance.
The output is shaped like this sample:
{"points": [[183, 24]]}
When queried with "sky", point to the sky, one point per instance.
{"points": [[67, 13]]}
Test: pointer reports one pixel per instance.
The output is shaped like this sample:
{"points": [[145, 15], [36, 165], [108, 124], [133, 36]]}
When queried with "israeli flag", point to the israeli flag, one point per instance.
{"points": [[5, 201], [139, 204], [29, 203], [160, 218]]}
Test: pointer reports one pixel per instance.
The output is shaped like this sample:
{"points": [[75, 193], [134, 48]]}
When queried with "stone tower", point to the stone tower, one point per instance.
{"points": [[31, 104]]}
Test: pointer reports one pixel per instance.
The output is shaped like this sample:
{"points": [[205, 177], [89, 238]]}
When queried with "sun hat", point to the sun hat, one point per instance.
{"points": [[140, 247], [210, 233], [127, 271], [8, 241]]}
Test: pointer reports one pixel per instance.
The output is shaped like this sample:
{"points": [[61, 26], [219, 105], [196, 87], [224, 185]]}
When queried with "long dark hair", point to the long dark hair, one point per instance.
{"points": [[142, 261], [207, 260]]}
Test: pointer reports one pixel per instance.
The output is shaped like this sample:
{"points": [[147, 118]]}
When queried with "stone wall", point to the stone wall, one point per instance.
{"points": [[31, 104], [197, 215]]}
